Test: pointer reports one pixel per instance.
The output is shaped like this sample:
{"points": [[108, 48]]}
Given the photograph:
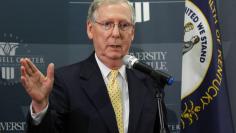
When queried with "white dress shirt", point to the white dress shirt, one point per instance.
{"points": [[122, 78]]}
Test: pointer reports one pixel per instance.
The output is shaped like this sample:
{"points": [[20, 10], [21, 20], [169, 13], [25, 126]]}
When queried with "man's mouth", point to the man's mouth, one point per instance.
{"points": [[115, 46]]}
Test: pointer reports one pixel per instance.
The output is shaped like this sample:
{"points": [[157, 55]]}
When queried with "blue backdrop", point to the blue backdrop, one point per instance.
{"points": [[55, 31]]}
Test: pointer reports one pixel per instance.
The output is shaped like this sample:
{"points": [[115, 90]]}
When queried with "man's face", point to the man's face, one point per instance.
{"points": [[115, 42]]}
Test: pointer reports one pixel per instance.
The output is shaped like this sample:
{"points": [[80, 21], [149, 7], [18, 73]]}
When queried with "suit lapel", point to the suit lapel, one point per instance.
{"points": [[95, 87], [137, 92]]}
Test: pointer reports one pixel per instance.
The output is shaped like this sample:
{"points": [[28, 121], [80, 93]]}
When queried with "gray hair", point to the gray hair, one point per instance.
{"points": [[97, 3]]}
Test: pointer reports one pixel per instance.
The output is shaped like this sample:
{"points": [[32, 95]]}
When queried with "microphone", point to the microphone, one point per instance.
{"points": [[133, 62]]}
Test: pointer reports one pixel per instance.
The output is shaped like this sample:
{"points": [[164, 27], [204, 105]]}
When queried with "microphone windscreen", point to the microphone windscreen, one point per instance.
{"points": [[129, 60]]}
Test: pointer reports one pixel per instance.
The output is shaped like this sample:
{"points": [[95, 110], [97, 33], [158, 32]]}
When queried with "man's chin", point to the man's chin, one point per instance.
{"points": [[116, 57]]}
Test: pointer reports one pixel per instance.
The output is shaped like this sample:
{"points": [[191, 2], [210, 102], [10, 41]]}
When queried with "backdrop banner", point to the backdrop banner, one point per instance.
{"points": [[55, 31]]}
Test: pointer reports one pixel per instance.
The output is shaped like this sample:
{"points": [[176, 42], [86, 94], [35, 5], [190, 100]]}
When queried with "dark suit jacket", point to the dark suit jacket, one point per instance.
{"points": [[79, 102]]}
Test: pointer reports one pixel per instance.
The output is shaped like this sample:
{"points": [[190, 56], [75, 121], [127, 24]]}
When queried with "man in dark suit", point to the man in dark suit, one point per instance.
{"points": [[80, 98]]}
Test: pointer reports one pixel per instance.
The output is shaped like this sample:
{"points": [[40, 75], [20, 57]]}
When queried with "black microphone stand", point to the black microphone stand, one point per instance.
{"points": [[162, 120], [159, 95]]}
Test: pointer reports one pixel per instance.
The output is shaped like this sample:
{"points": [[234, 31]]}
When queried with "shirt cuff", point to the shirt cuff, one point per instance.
{"points": [[37, 117]]}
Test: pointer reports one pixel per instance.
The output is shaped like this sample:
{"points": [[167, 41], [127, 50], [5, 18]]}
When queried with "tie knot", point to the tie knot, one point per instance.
{"points": [[113, 74]]}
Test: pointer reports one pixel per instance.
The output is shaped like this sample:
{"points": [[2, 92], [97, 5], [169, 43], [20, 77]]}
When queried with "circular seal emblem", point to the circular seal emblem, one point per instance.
{"points": [[197, 49]]}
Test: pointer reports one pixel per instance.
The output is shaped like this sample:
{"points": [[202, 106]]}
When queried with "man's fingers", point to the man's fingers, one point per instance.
{"points": [[50, 71], [24, 83], [34, 82], [22, 70], [31, 66], [27, 68]]}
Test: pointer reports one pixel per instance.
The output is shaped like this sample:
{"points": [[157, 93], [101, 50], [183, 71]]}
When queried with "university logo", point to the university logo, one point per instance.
{"points": [[157, 59], [7, 49], [10, 48]]}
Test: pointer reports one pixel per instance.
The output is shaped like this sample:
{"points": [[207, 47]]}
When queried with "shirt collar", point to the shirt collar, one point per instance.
{"points": [[105, 70]]}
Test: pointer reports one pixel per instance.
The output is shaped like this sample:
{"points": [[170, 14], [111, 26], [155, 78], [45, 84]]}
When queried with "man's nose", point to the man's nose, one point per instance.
{"points": [[116, 31]]}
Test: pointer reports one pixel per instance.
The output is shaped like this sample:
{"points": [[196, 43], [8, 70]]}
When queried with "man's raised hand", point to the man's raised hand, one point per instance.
{"points": [[36, 84]]}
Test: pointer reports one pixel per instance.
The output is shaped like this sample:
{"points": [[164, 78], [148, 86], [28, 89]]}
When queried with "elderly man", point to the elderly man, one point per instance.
{"points": [[97, 95]]}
